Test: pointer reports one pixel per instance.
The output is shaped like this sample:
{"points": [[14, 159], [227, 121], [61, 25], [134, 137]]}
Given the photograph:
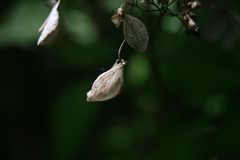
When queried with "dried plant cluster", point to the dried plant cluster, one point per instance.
{"points": [[110, 83]]}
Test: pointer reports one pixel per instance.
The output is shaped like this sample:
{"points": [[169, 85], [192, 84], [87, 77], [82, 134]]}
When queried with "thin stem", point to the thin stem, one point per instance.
{"points": [[119, 51]]}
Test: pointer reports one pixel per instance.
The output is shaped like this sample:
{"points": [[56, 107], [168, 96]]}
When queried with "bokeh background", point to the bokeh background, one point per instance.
{"points": [[181, 98]]}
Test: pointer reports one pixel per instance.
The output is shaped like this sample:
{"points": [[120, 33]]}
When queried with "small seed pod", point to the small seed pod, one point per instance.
{"points": [[49, 27], [109, 84]]}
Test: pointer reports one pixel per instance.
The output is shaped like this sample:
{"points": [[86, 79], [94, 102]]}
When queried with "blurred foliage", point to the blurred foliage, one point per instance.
{"points": [[181, 98]]}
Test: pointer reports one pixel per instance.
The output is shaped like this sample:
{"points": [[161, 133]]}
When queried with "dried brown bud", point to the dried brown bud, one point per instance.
{"points": [[109, 84]]}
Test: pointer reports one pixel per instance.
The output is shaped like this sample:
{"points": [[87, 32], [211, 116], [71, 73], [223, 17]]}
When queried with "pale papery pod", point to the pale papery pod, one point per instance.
{"points": [[49, 27], [109, 84], [135, 33]]}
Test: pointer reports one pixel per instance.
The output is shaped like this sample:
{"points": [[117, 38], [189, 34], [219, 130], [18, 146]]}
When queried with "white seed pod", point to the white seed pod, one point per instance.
{"points": [[109, 84], [49, 27], [135, 33]]}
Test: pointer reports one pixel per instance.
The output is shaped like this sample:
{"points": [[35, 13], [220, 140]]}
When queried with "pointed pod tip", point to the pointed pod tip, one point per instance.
{"points": [[39, 43], [89, 96]]}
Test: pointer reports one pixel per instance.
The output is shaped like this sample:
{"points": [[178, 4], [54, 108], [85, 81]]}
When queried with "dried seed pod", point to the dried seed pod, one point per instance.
{"points": [[135, 33], [49, 27], [109, 84]]}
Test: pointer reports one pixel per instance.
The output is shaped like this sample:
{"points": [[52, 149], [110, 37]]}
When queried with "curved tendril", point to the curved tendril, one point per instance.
{"points": [[119, 51]]}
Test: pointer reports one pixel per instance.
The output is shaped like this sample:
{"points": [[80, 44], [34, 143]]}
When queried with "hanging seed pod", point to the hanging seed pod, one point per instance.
{"points": [[109, 84], [49, 27], [135, 32]]}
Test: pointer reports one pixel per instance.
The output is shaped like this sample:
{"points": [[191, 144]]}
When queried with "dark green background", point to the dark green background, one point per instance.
{"points": [[181, 98]]}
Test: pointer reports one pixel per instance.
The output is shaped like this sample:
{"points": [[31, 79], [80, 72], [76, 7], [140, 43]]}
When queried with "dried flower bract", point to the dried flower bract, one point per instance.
{"points": [[109, 84], [49, 27]]}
